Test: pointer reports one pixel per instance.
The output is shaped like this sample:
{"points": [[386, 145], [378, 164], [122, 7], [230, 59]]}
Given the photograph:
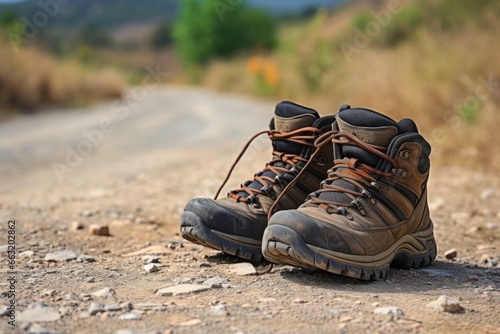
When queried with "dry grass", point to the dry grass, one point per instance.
{"points": [[432, 79], [30, 78]]}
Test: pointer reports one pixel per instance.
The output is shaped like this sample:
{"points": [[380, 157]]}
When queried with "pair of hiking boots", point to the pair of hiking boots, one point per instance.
{"points": [[344, 193]]}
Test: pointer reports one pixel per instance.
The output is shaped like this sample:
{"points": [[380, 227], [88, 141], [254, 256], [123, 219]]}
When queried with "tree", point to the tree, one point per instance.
{"points": [[210, 29]]}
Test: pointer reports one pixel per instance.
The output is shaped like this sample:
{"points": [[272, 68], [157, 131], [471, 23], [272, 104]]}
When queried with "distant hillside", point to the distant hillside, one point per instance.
{"points": [[128, 22], [99, 14]]}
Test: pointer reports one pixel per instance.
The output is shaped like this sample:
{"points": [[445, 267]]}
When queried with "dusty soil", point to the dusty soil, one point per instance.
{"points": [[177, 144]]}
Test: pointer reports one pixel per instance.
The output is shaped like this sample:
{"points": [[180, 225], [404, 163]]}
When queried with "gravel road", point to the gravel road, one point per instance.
{"points": [[96, 194]]}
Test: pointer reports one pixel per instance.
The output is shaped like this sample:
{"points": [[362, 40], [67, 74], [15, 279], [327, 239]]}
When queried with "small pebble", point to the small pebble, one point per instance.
{"points": [[215, 282], [95, 308], [445, 304], [151, 268], [86, 213], [96, 229], [76, 226], [450, 253], [61, 256], [131, 316], [147, 259], [487, 193], [219, 310], [299, 301], [389, 310], [181, 289], [104, 293], [85, 258]]}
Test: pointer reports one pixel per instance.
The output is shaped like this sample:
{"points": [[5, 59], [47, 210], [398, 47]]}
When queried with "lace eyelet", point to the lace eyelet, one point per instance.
{"points": [[321, 160], [349, 216], [405, 154], [342, 211], [373, 201], [362, 212]]}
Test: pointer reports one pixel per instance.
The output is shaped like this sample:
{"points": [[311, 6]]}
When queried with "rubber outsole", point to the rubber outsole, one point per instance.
{"points": [[194, 229], [285, 246]]}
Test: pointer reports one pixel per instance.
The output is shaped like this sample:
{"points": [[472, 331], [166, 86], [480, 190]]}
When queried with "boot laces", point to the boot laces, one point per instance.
{"points": [[303, 136], [350, 170]]}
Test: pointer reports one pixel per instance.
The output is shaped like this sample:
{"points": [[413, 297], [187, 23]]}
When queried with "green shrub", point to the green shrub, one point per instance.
{"points": [[403, 25], [216, 29]]}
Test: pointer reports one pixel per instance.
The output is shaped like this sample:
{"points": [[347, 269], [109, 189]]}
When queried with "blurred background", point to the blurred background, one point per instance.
{"points": [[437, 61]]}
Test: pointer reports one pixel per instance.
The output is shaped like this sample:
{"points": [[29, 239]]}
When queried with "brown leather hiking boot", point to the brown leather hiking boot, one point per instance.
{"points": [[235, 224], [371, 212]]}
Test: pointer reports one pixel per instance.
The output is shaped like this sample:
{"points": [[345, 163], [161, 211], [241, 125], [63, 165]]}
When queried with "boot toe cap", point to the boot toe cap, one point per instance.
{"points": [[223, 219], [317, 232]]}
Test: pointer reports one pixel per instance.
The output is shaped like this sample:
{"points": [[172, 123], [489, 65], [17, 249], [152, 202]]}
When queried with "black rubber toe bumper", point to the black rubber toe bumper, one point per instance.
{"points": [[207, 223]]}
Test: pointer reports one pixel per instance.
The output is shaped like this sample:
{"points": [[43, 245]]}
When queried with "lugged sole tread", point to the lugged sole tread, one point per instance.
{"points": [[283, 245]]}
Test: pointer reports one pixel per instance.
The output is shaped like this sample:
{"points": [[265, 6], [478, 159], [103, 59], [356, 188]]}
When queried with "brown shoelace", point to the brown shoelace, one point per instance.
{"points": [[347, 169], [302, 136]]}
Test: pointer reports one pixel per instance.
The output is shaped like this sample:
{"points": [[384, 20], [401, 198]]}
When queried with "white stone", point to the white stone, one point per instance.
{"points": [[85, 258], [219, 310], [104, 293], [95, 308], [487, 193], [4, 310], [151, 268], [215, 282], [242, 269], [131, 316], [389, 310], [181, 289], [61, 256], [147, 259], [39, 313], [445, 304]]}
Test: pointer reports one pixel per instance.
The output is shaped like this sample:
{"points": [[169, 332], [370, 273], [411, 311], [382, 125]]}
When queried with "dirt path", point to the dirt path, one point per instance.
{"points": [[135, 177]]}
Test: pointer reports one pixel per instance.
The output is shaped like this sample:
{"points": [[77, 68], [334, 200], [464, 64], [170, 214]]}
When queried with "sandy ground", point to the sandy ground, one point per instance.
{"points": [[152, 156]]}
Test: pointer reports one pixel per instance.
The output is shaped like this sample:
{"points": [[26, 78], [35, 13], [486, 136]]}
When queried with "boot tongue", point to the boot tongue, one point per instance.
{"points": [[370, 127], [288, 117]]}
